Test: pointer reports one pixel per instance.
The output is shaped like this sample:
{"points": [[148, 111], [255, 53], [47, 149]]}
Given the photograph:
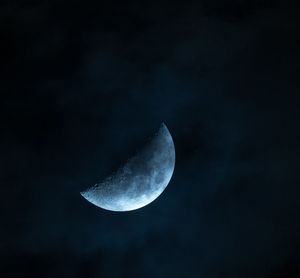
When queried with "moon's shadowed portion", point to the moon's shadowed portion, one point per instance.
{"points": [[141, 180]]}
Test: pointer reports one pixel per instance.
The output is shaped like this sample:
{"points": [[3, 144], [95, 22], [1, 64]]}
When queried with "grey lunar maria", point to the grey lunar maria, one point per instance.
{"points": [[141, 180]]}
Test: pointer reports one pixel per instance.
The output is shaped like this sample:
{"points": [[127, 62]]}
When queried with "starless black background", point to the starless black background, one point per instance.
{"points": [[84, 84]]}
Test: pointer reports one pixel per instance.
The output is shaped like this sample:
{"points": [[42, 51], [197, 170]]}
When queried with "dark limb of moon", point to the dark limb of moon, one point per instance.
{"points": [[141, 180]]}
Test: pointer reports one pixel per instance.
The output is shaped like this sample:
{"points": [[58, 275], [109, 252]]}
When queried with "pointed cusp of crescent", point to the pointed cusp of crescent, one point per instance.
{"points": [[139, 181]]}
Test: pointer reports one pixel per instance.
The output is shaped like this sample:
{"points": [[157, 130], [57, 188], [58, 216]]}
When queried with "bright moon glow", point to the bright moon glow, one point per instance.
{"points": [[141, 180]]}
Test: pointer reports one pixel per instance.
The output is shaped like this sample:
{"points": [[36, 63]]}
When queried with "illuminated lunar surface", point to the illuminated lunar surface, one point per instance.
{"points": [[141, 180]]}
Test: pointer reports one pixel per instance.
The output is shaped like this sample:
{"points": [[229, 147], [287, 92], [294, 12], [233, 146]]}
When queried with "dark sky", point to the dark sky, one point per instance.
{"points": [[84, 84]]}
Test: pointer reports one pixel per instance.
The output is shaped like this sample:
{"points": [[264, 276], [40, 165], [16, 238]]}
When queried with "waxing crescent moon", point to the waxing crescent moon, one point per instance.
{"points": [[141, 180]]}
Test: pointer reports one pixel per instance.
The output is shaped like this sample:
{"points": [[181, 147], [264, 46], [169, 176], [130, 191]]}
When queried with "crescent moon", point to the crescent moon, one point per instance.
{"points": [[141, 180]]}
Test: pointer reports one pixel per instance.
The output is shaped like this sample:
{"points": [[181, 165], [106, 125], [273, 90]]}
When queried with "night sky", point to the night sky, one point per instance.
{"points": [[85, 84]]}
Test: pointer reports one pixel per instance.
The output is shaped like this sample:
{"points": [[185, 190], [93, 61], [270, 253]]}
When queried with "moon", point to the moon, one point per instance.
{"points": [[140, 180]]}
